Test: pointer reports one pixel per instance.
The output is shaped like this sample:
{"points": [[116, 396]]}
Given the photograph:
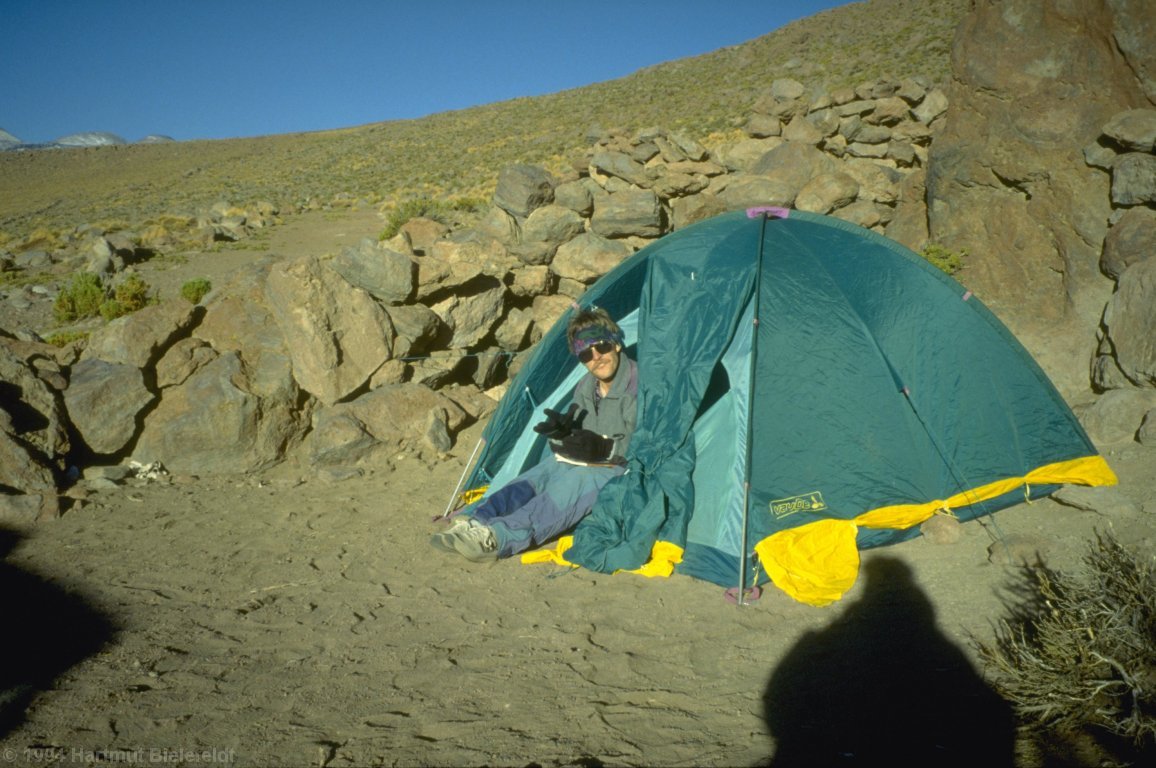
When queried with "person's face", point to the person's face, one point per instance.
{"points": [[603, 359]]}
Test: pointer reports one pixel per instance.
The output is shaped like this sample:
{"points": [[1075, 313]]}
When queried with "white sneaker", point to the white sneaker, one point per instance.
{"points": [[445, 539], [475, 542]]}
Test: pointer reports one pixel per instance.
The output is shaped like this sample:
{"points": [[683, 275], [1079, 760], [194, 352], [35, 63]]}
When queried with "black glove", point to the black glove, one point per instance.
{"points": [[584, 445], [558, 425]]}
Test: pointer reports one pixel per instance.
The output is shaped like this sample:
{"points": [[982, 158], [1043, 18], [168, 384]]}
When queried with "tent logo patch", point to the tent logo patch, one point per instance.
{"points": [[807, 502]]}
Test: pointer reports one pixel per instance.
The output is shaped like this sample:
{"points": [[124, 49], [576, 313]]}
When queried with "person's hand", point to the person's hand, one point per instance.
{"points": [[558, 425], [586, 446]]}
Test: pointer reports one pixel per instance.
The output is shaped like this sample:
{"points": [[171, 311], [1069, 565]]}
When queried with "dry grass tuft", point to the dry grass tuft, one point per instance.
{"points": [[1077, 654]]}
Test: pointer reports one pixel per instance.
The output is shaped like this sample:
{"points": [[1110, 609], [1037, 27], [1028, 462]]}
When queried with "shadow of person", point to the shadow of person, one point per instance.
{"points": [[45, 631], [882, 686]]}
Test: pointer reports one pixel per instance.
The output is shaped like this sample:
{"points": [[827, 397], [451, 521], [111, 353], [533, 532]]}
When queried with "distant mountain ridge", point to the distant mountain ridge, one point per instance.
{"points": [[8, 142]]}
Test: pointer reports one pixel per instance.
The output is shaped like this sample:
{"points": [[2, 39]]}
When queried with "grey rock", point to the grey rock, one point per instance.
{"points": [[388, 276], [472, 316], [237, 319], [750, 191], [1106, 501], [631, 212], [140, 338], [394, 417], [1129, 323], [31, 406], [105, 402], [423, 233], [1133, 129], [575, 195], [336, 334], [1134, 179], [1116, 416], [589, 256], [215, 423], [1130, 240], [934, 104], [743, 156], [544, 230], [522, 188], [794, 165], [182, 360], [827, 193], [622, 166]]}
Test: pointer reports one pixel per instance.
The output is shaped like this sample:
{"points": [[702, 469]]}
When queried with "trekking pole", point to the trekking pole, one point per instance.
{"points": [[461, 481]]}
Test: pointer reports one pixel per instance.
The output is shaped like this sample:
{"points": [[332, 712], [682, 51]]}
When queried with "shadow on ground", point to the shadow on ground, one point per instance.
{"points": [[882, 686], [46, 630]]}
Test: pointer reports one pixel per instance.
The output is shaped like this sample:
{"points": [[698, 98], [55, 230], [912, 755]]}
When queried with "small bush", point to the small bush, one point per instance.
{"points": [[427, 207], [1078, 653], [947, 260], [82, 298], [195, 290], [130, 295], [64, 338]]}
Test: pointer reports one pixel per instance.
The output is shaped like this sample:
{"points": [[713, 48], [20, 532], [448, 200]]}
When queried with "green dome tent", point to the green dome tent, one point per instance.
{"points": [[807, 389]]}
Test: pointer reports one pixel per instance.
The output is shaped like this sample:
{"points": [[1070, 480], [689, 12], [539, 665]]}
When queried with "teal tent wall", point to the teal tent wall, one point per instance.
{"points": [[791, 370]]}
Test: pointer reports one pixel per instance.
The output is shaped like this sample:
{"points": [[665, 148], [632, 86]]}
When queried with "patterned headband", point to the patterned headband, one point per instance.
{"points": [[588, 337]]}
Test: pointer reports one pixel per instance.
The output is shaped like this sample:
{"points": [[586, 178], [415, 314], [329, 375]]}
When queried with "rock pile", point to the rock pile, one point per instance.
{"points": [[1124, 367], [393, 346], [89, 248], [390, 346]]}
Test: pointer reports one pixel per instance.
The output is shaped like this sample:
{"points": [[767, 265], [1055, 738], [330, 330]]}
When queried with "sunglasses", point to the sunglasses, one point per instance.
{"points": [[603, 348]]}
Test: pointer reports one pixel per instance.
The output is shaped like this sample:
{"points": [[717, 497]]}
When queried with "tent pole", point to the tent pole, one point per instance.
{"points": [[742, 592], [461, 481]]}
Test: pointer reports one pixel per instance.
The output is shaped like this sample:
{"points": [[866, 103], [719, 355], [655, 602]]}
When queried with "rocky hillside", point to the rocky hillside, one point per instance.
{"points": [[460, 153], [396, 345]]}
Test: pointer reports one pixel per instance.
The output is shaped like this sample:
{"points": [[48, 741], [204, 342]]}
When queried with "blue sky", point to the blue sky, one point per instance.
{"points": [[215, 69]]}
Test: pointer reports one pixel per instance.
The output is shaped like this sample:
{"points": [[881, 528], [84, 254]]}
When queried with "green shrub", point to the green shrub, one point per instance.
{"points": [[80, 299], [427, 207], [130, 294], [947, 260], [64, 338], [195, 290]]}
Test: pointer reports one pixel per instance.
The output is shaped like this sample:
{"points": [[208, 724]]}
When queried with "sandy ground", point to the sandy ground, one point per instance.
{"points": [[296, 618]]}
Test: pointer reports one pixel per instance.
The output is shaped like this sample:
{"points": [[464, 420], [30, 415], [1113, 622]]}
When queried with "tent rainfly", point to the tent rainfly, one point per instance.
{"points": [[807, 389]]}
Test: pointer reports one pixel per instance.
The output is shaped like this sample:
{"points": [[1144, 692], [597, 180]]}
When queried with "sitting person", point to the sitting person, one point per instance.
{"points": [[589, 444]]}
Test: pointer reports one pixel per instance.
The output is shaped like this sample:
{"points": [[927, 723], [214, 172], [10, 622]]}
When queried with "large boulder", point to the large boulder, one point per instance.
{"points": [[139, 339], [473, 313], [1134, 179], [1013, 143], [33, 404], [215, 423], [33, 437], [523, 188], [238, 320], [336, 334], [391, 418], [794, 164], [630, 212], [1129, 324], [544, 230], [384, 273], [27, 485], [588, 257], [106, 402], [453, 265], [1130, 240]]}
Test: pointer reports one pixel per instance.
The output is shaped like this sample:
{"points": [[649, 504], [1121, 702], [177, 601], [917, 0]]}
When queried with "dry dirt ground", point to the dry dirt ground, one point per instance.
{"points": [[291, 618]]}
